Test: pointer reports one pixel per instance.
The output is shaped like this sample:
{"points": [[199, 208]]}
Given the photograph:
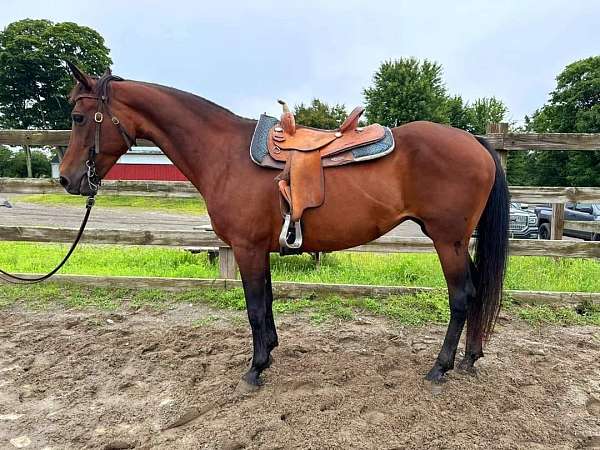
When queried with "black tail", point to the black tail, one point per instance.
{"points": [[491, 253]]}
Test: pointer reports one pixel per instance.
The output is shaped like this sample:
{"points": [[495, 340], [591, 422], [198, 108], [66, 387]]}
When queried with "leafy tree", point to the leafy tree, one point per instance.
{"points": [[484, 111], [475, 117], [573, 107], [34, 83], [405, 90], [319, 114], [457, 112], [14, 164], [519, 168], [5, 162]]}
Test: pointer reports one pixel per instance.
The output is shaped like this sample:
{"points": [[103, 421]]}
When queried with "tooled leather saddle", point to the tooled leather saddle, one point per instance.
{"points": [[302, 153]]}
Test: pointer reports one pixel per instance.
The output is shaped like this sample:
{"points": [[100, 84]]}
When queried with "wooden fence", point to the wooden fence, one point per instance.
{"points": [[498, 135]]}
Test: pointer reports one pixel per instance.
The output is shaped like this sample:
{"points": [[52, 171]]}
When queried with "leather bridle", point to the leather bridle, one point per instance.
{"points": [[102, 108], [94, 180]]}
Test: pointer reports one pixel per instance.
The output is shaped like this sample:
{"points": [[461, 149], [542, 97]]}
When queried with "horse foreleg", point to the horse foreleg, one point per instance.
{"points": [[253, 271], [455, 264]]}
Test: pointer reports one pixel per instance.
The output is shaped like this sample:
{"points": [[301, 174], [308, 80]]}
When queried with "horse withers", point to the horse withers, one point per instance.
{"points": [[445, 179]]}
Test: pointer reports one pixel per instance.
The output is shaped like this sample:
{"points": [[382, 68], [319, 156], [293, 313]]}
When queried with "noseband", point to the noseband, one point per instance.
{"points": [[102, 108]]}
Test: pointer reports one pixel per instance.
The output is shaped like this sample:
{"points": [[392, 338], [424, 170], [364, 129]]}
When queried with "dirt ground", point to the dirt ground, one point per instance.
{"points": [[149, 379]]}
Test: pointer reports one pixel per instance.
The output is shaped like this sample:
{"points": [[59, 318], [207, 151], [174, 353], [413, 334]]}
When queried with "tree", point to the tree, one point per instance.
{"points": [[573, 107], [484, 111], [34, 83], [406, 90], [14, 164], [319, 114], [5, 162], [474, 118], [457, 112]]}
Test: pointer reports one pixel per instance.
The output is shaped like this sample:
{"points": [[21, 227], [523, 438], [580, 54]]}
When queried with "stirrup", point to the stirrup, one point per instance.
{"points": [[286, 231]]}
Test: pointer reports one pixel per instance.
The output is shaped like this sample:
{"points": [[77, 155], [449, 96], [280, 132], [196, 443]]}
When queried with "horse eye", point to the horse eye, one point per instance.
{"points": [[77, 118]]}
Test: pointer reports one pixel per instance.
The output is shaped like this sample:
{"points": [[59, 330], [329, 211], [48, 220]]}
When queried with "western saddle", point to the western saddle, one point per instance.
{"points": [[303, 152]]}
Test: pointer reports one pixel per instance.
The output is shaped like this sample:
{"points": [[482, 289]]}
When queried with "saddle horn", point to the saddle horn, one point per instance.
{"points": [[288, 123]]}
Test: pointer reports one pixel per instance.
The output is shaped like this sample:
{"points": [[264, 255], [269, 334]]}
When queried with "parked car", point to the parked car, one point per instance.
{"points": [[523, 223], [573, 211]]}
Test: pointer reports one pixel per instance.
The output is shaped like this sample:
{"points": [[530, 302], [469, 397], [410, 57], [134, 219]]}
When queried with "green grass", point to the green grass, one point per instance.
{"points": [[584, 314], [194, 206], [411, 310], [106, 260], [524, 272]]}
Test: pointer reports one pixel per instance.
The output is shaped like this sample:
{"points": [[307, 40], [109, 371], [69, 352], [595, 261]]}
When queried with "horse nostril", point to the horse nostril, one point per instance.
{"points": [[64, 182]]}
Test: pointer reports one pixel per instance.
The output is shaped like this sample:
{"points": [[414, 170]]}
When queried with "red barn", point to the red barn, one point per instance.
{"points": [[145, 163], [140, 163]]}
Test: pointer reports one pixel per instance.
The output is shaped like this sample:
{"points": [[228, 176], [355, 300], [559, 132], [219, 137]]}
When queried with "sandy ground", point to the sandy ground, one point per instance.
{"points": [[147, 379]]}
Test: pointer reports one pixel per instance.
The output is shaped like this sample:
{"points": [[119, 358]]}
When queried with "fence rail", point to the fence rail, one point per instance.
{"points": [[502, 140], [207, 239], [175, 189], [185, 189]]}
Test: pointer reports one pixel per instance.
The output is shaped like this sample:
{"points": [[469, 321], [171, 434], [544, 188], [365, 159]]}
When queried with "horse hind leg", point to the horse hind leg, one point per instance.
{"points": [[455, 260], [474, 343]]}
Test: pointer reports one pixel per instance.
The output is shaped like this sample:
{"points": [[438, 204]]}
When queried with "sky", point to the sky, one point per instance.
{"points": [[245, 55]]}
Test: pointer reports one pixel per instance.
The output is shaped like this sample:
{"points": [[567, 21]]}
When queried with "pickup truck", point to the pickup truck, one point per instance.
{"points": [[523, 223], [573, 211]]}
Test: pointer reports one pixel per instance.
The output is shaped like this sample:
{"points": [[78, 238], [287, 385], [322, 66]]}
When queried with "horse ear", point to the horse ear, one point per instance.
{"points": [[80, 76], [107, 72]]}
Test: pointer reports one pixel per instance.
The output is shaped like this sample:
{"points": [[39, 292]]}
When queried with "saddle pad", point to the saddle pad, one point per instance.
{"points": [[259, 152]]}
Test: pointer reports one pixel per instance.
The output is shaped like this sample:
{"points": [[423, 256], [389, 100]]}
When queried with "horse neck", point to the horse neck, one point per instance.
{"points": [[202, 139]]}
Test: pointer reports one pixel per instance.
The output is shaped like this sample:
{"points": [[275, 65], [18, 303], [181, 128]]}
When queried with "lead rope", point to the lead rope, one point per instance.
{"points": [[15, 279], [94, 184]]}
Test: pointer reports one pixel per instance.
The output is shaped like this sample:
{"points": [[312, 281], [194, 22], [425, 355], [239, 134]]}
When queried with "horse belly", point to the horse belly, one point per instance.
{"points": [[362, 202]]}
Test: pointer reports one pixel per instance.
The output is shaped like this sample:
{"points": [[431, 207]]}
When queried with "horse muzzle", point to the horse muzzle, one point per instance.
{"points": [[80, 187]]}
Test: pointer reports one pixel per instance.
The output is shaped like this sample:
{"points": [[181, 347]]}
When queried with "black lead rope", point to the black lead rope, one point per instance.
{"points": [[15, 279]]}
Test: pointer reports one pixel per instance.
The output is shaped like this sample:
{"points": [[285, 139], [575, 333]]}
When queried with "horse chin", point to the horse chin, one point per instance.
{"points": [[84, 187], [80, 188]]}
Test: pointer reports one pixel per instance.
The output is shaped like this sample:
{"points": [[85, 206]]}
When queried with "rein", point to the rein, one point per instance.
{"points": [[93, 179]]}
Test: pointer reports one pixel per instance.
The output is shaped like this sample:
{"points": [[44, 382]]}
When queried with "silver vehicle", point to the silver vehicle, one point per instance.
{"points": [[523, 223]]}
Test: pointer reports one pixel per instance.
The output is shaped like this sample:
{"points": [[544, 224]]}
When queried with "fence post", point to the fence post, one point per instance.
{"points": [[557, 222], [60, 153], [499, 128], [227, 264], [28, 159]]}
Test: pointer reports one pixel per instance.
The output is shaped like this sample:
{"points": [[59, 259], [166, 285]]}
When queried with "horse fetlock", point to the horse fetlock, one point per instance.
{"points": [[262, 362], [272, 340]]}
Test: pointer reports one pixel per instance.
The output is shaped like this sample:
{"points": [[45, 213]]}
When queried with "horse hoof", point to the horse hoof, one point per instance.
{"points": [[435, 375], [466, 367], [246, 388]]}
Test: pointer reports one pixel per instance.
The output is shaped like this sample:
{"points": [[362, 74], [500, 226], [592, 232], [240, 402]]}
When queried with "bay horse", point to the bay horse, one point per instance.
{"points": [[446, 180]]}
